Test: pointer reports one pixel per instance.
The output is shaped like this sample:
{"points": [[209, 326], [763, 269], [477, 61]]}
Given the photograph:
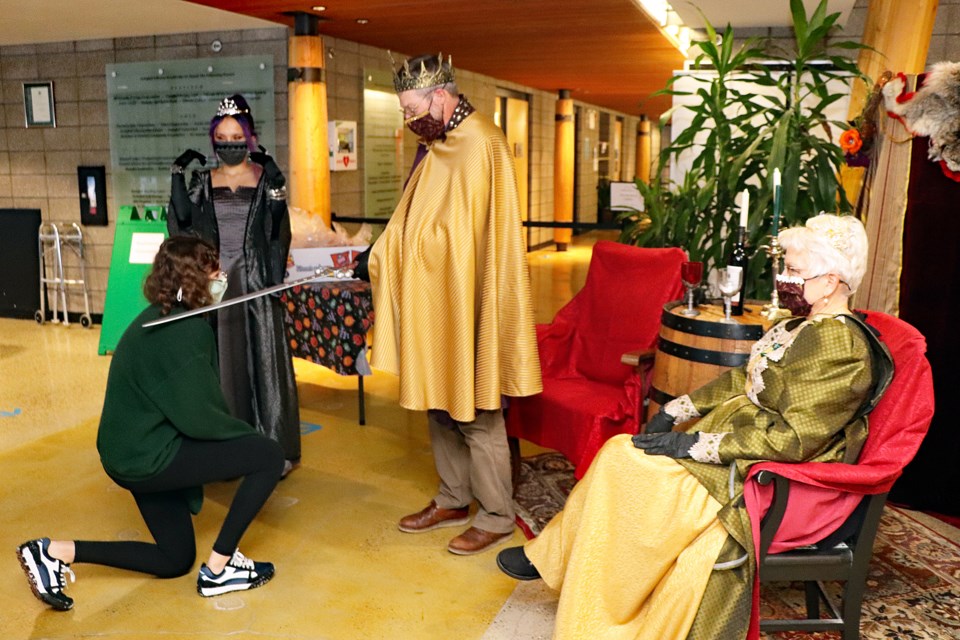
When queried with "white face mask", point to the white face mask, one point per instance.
{"points": [[217, 287]]}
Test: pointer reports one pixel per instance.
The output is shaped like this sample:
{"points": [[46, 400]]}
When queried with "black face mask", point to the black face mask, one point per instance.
{"points": [[231, 153]]}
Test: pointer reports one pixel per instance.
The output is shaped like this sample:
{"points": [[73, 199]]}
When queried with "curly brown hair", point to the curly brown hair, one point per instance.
{"points": [[183, 263]]}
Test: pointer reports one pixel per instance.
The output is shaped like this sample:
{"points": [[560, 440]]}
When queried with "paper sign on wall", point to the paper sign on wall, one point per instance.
{"points": [[144, 247]]}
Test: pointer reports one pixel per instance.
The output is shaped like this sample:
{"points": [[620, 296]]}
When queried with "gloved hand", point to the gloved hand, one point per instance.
{"points": [[661, 422], [675, 444], [186, 158], [274, 176], [360, 270]]}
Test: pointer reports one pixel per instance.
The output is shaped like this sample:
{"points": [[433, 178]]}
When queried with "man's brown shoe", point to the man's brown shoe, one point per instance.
{"points": [[434, 517], [475, 540]]}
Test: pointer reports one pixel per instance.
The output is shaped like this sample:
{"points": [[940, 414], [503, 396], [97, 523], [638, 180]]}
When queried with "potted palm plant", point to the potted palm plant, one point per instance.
{"points": [[737, 140]]}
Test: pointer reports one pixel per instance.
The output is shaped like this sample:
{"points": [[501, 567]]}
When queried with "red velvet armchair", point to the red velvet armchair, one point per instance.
{"points": [[588, 395]]}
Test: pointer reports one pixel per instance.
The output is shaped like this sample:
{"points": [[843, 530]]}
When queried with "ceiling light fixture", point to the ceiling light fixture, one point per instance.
{"points": [[318, 8], [663, 15], [362, 21]]}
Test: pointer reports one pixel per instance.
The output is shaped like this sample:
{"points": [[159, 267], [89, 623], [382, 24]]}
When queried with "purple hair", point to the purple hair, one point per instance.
{"points": [[244, 119]]}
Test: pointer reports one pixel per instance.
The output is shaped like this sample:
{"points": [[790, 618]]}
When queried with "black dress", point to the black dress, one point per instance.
{"points": [[251, 229]]}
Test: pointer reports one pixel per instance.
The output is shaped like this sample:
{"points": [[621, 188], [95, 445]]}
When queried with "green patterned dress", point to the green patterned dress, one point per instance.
{"points": [[803, 396]]}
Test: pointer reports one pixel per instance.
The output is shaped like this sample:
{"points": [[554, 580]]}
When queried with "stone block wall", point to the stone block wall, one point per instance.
{"points": [[38, 166]]}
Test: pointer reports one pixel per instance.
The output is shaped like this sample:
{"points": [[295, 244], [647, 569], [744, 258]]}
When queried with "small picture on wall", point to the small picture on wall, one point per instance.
{"points": [[38, 105], [92, 182]]}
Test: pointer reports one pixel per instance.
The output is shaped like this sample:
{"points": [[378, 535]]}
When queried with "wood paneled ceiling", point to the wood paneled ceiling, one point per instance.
{"points": [[607, 52]]}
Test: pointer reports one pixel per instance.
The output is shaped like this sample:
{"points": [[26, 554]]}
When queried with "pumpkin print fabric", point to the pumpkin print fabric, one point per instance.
{"points": [[327, 324]]}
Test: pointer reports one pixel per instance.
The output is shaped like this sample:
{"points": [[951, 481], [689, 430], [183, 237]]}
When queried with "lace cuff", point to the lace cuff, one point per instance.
{"points": [[681, 409], [707, 447]]}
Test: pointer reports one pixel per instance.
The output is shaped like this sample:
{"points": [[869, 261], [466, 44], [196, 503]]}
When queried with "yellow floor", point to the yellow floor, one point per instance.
{"points": [[343, 569]]}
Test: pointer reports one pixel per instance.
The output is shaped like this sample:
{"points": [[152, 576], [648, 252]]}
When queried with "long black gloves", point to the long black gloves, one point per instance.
{"points": [[360, 271], [275, 178], [675, 444], [185, 159], [660, 423]]}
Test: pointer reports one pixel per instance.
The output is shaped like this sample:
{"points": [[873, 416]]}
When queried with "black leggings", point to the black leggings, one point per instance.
{"points": [[164, 508]]}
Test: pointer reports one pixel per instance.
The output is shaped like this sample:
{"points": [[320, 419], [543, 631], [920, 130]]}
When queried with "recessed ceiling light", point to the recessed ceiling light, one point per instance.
{"points": [[362, 21], [319, 7]]}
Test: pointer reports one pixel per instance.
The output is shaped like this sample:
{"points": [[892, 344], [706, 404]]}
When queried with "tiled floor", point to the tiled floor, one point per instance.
{"points": [[343, 569]]}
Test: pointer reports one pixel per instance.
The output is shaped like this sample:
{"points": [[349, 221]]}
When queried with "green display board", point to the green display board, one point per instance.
{"points": [[135, 244]]}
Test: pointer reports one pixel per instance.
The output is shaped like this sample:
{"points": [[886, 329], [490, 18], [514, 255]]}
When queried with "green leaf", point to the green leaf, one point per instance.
{"points": [[799, 21]]}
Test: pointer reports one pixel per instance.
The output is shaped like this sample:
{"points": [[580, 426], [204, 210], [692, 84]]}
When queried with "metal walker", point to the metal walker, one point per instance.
{"points": [[51, 240]]}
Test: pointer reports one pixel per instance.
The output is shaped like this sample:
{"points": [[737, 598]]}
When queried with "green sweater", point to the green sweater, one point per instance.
{"points": [[163, 385]]}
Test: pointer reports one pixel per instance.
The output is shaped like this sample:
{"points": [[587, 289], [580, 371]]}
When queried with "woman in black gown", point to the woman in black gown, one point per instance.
{"points": [[240, 207]]}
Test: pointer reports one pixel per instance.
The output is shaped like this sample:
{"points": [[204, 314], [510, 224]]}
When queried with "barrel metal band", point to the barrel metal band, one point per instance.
{"points": [[711, 329], [660, 397], [703, 356]]}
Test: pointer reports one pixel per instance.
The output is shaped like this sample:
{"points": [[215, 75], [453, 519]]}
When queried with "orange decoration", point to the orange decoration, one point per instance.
{"points": [[850, 141]]}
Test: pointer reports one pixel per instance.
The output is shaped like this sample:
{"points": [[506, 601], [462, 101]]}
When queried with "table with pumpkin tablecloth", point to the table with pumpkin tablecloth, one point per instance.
{"points": [[327, 324]]}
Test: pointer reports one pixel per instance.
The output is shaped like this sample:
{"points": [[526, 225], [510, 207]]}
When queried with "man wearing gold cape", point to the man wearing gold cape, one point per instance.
{"points": [[451, 291]]}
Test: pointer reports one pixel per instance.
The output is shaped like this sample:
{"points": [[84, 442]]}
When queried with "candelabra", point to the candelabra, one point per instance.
{"points": [[773, 311]]}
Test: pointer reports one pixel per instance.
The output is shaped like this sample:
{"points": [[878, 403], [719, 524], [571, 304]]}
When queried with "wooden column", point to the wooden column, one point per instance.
{"points": [[899, 33], [644, 149], [309, 174], [563, 170]]}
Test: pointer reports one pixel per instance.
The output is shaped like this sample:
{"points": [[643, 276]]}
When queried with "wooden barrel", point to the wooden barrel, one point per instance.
{"points": [[692, 351]]}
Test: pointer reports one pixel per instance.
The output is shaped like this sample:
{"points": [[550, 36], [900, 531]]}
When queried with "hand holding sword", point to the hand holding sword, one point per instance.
{"points": [[321, 274]]}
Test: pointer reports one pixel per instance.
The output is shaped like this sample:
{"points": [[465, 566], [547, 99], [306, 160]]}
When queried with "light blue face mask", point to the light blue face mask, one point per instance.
{"points": [[218, 287]]}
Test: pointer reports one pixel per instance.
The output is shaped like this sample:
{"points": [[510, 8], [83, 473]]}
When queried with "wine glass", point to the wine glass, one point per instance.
{"points": [[729, 281], [692, 275]]}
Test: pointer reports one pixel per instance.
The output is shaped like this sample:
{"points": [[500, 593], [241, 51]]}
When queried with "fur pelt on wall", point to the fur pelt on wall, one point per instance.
{"points": [[933, 111]]}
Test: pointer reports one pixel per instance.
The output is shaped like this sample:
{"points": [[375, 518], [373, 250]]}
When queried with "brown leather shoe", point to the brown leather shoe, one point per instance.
{"points": [[475, 540], [434, 517]]}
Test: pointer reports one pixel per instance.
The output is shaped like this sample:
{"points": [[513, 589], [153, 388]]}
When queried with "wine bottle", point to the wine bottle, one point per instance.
{"points": [[738, 260]]}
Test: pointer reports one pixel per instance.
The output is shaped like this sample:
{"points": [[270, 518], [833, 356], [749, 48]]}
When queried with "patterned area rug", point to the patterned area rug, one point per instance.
{"points": [[913, 590]]}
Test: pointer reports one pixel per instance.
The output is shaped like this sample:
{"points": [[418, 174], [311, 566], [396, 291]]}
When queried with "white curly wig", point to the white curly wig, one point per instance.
{"points": [[833, 244]]}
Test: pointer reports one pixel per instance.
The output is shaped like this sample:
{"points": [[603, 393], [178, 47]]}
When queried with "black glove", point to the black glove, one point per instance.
{"points": [[274, 176], [360, 271], [661, 422], [186, 158], [675, 444]]}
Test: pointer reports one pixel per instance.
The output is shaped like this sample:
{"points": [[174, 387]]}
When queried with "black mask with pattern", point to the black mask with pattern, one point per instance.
{"points": [[231, 153]]}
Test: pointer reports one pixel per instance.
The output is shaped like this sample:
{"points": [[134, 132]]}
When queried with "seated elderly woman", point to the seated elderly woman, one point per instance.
{"points": [[653, 541]]}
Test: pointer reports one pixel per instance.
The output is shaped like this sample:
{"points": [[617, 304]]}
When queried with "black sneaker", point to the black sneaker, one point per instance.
{"points": [[45, 573], [241, 573], [514, 563]]}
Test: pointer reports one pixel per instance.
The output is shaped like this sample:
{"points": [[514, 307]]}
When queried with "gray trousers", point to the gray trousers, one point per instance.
{"points": [[473, 461]]}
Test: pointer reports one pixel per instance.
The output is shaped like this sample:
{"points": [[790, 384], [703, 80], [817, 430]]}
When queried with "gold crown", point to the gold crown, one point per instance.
{"points": [[228, 107], [406, 79]]}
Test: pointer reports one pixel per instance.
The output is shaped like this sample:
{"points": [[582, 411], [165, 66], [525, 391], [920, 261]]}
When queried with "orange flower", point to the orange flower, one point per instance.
{"points": [[850, 141]]}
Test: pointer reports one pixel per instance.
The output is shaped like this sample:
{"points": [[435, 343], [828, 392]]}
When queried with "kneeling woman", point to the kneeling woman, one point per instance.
{"points": [[653, 542], [165, 431]]}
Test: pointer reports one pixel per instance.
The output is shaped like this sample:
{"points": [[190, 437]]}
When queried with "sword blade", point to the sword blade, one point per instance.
{"points": [[323, 274]]}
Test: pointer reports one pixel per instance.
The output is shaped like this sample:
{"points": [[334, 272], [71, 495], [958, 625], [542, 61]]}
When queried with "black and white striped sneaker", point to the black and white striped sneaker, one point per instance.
{"points": [[241, 573], [46, 574]]}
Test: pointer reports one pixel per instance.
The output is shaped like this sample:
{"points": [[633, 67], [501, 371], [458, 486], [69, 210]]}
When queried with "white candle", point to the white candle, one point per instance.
{"points": [[744, 208], [776, 201]]}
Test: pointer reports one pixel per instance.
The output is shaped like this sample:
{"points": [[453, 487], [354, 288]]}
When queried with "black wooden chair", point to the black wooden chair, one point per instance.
{"points": [[844, 556]]}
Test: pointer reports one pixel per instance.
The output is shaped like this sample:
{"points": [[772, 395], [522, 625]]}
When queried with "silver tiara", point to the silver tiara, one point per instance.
{"points": [[228, 107]]}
